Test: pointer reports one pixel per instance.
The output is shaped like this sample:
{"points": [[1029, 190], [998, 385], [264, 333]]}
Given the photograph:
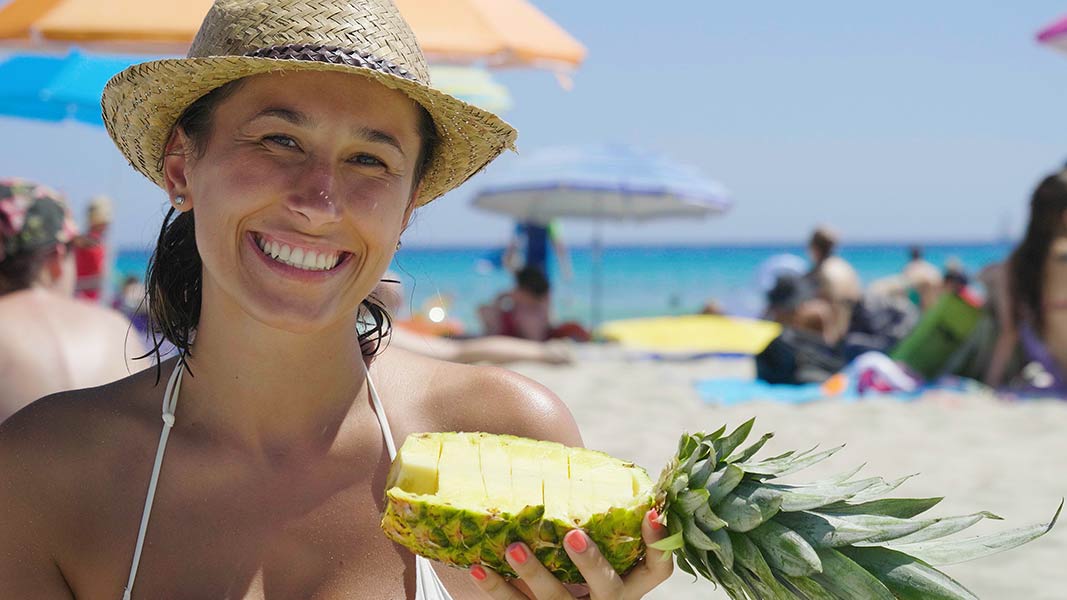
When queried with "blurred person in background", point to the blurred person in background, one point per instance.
{"points": [[923, 279], [1028, 294], [90, 252], [835, 281], [525, 311], [532, 246], [49, 342]]}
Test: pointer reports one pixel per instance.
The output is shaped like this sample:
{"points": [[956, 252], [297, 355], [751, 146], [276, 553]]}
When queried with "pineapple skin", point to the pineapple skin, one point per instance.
{"points": [[465, 535], [462, 536]]}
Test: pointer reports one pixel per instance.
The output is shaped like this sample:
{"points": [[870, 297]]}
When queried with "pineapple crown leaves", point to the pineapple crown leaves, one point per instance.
{"points": [[730, 521]]}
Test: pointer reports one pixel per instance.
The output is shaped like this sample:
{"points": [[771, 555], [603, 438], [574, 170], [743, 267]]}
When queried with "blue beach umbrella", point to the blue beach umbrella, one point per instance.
{"points": [[600, 182], [56, 88]]}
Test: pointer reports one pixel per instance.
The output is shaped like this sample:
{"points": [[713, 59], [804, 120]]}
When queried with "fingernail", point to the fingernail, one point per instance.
{"points": [[653, 520], [517, 553], [478, 572], [576, 540]]}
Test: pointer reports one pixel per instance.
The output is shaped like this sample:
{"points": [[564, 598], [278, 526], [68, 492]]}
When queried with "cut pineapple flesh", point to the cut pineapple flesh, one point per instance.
{"points": [[463, 497]]}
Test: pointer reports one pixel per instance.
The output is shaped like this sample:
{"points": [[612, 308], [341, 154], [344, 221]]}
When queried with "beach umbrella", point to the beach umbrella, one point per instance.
{"points": [[1055, 34], [599, 183], [56, 88], [496, 33]]}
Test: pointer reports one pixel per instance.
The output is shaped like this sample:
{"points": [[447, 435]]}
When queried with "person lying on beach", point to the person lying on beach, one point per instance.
{"points": [[294, 145], [491, 349], [1029, 295], [49, 342]]}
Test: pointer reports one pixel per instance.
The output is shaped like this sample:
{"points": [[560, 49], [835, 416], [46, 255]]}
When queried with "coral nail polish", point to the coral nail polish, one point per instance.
{"points": [[478, 572], [653, 520], [517, 553], [576, 540]]}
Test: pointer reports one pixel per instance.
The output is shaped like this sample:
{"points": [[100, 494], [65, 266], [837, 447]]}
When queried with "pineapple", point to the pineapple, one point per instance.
{"points": [[462, 498]]}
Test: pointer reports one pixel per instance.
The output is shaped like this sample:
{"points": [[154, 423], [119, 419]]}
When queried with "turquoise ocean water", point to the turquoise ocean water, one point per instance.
{"points": [[636, 281]]}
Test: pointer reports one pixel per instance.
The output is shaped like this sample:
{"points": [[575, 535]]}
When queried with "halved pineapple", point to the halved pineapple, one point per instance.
{"points": [[462, 498]]}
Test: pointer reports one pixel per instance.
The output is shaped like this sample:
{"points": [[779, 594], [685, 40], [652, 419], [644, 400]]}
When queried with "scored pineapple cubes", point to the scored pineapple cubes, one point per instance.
{"points": [[462, 498]]}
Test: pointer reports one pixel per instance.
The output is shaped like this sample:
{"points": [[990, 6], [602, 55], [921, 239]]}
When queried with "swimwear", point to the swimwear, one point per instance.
{"points": [[428, 585]]}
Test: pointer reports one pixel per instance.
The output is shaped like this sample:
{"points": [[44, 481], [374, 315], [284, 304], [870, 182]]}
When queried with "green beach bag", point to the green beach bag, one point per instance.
{"points": [[940, 332]]}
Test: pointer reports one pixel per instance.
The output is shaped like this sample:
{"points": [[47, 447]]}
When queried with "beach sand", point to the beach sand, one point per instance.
{"points": [[978, 452]]}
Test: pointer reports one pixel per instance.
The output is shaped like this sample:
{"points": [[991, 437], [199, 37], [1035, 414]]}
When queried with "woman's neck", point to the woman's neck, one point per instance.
{"points": [[269, 391]]}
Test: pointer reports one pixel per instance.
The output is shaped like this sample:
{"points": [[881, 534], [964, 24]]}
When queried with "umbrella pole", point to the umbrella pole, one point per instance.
{"points": [[595, 269]]}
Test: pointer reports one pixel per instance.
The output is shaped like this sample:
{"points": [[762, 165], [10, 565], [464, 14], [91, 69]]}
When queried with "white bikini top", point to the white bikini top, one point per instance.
{"points": [[427, 585]]}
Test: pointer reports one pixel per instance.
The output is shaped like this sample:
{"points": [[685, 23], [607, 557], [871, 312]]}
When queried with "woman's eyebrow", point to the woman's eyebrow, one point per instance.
{"points": [[285, 114], [378, 136]]}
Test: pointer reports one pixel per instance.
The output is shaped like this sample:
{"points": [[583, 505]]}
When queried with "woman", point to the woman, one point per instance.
{"points": [[48, 340], [294, 148], [1029, 296]]}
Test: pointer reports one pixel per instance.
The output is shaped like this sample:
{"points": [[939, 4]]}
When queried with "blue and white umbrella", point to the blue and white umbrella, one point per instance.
{"points": [[599, 182], [57, 88]]}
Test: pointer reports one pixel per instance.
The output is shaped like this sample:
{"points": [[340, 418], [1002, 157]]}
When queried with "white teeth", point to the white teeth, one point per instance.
{"points": [[308, 260]]}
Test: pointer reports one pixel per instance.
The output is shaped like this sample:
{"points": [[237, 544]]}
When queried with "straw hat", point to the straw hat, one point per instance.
{"points": [[239, 38]]}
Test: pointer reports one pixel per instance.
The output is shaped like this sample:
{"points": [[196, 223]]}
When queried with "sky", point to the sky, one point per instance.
{"points": [[903, 121]]}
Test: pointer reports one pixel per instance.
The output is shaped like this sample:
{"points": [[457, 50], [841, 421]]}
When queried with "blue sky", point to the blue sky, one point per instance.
{"points": [[890, 121]]}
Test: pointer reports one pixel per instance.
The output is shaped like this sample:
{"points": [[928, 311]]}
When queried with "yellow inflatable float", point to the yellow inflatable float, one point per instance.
{"points": [[692, 334]]}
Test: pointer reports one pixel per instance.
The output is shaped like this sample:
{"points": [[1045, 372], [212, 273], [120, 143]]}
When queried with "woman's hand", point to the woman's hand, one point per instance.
{"points": [[602, 581]]}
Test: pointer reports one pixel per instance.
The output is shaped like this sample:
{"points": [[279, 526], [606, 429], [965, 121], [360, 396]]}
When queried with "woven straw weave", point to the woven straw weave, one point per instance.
{"points": [[240, 38]]}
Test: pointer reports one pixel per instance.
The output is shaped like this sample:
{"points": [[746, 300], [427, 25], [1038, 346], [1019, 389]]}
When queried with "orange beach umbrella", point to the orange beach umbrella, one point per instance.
{"points": [[499, 33]]}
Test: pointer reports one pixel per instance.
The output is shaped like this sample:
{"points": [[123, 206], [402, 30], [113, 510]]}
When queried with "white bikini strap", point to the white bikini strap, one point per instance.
{"points": [[379, 411], [170, 401]]}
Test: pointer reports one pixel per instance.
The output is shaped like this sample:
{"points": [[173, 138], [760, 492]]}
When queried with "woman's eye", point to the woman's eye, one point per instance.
{"points": [[282, 140], [367, 160]]}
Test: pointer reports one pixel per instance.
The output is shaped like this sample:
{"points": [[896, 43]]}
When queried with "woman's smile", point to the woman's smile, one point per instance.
{"points": [[297, 260]]}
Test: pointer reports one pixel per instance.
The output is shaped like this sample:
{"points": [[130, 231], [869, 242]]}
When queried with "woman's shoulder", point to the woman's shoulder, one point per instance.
{"points": [[484, 398]]}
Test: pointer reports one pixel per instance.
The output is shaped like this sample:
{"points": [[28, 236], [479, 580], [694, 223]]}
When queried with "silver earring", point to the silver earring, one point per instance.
{"points": [[179, 200], [398, 244]]}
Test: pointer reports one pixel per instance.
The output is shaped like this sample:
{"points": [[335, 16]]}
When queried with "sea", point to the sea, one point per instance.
{"points": [[631, 281]]}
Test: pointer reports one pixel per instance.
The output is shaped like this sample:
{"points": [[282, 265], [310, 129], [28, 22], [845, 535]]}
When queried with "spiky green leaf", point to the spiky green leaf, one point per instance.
{"points": [[722, 482], [948, 552], [906, 577], [748, 507], [902, 508], [786, 550], [945, 527], [845, 579], [725, 446], [750, 451]]}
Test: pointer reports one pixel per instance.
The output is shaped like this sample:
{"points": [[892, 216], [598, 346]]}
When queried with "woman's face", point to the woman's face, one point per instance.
{"points": [[300, 195]]}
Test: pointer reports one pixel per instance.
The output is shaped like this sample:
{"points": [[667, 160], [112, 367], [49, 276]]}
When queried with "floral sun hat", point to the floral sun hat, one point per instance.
{"points": [[32, 217]]}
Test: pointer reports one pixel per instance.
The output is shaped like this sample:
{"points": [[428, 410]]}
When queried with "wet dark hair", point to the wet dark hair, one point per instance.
{"points": [[533, 280], [824, 241], [174, 278], [1026, 266]]}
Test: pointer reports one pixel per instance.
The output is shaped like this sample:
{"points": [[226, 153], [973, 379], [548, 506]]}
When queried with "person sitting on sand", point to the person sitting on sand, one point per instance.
{"points": [[525, 311], [1029, 296], [491, 349], [48, 341], [922, 278], [294, 145], [835, 281]]}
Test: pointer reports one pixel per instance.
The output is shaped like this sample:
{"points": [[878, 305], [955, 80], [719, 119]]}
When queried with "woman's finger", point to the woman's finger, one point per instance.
{"points": [[493, 585], [540, 580], [601, 577], [657, 565]]}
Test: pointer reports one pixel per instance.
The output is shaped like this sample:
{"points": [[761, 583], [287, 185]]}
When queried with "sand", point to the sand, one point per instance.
{"points": [[978, 452]]}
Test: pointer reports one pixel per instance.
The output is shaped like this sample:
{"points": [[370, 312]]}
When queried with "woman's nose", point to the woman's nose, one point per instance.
{"points": [[313, 199]]}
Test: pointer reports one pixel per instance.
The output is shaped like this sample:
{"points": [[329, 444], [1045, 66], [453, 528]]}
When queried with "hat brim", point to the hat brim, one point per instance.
{"points": [[142, 103]]}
